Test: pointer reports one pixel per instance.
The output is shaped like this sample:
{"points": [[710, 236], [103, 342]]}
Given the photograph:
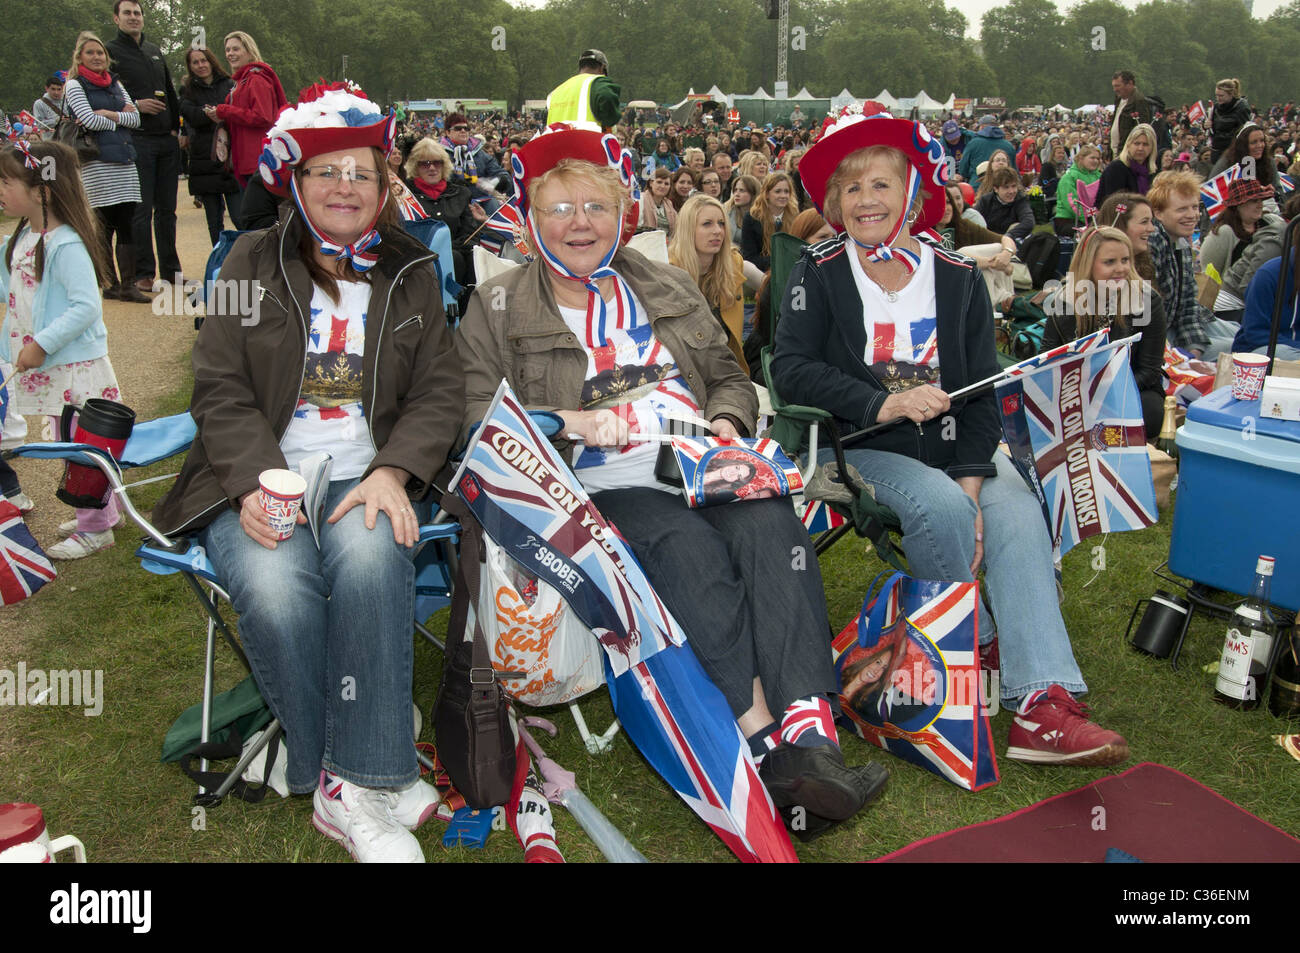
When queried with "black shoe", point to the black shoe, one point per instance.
{"points": [[818, 780], [129, 292]]}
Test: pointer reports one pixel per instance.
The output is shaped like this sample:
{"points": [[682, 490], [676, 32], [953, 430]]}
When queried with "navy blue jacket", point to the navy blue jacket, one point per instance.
{"points": [[818, 360]]}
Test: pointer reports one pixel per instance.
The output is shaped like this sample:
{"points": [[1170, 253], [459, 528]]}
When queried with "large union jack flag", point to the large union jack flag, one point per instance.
{"points": [[531, 505], [528, 501], [23, 566], [1073, 424]]}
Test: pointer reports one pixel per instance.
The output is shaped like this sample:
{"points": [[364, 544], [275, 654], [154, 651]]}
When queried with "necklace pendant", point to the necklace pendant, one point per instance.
{"points": [[892, 296]]}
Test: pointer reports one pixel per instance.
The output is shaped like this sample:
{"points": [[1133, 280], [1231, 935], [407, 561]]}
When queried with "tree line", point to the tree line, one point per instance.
{"points": [[1027, 51]]}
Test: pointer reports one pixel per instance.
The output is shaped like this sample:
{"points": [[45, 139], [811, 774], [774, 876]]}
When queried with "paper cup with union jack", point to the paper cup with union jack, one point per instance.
{"points": [[1248, 376], [280, 495]]}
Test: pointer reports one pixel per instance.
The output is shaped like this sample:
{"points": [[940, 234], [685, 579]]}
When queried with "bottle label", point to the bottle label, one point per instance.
{"points": [[1234, 678]]}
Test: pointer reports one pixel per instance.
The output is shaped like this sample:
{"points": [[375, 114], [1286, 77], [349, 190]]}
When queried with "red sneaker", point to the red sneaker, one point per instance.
{"points": [[1056, 730]]}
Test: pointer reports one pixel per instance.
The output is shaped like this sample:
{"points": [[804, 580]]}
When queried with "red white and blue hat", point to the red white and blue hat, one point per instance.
{"points": [[327, 118], [540, 155], [560, 140], [854, 130]]}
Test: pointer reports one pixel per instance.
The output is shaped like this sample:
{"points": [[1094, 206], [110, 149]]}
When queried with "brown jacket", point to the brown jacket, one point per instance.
{"points": [[248, 372], [512, 329]]}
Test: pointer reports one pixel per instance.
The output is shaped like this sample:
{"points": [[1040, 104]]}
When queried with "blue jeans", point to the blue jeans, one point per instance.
{"points": [[939, 541], [1285, 352], [328, 633]]}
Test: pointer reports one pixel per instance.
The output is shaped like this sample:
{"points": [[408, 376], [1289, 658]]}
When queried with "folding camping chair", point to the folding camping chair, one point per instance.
{"points": [[797, 429], [157, 440]]}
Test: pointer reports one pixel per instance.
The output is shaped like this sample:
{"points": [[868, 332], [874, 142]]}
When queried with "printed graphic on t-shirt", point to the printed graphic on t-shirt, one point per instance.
{"points": [[905, 357], [331, 386]]}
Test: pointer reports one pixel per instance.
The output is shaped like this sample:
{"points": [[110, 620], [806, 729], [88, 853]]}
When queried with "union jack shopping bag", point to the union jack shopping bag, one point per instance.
{"points": [[909, 674], [23, 565]]}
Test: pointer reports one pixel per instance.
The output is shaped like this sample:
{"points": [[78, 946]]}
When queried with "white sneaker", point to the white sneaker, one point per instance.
{"points": [[79, 545], [22, 501], [362, 820], [415, 804]]}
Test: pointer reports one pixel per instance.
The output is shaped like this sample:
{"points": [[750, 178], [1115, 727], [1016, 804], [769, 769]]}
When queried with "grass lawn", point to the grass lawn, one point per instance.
{"points": [[100, 778]]}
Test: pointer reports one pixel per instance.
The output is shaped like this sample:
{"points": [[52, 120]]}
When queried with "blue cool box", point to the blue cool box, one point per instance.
{"points": [[1238, 497]]}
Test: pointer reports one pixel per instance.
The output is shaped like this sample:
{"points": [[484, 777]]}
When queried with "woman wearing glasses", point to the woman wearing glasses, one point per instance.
{"points": [[428, 172], [617, 345], [335, 341]]}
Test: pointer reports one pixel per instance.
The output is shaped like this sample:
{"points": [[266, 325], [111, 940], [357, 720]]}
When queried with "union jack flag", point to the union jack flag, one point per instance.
{"points": [[1286, 182], [505, 224], [408, 206], [1196, 113], [23, 566], [1214, 193], [1074, 428], [528, 501]]}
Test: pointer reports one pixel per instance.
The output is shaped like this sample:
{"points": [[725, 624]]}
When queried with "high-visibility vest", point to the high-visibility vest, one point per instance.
{"points": [[733, 116], [571, 101]]}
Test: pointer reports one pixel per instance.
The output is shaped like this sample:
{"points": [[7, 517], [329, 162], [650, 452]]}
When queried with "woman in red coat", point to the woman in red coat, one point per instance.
{"points": [[252, 106]]}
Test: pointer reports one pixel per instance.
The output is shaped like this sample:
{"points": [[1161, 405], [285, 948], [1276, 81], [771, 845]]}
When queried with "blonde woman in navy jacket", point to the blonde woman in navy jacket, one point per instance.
{"points": [[879, 325]]}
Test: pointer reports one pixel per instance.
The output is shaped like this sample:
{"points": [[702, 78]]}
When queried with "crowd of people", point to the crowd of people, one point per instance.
{"points": [[912, 229]]}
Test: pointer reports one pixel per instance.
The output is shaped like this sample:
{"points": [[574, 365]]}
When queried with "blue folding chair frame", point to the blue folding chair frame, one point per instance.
{"points": [[156, 440]]}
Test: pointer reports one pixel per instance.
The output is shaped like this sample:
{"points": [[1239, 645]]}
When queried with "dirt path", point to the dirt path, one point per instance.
{"points": [[149, 354]]}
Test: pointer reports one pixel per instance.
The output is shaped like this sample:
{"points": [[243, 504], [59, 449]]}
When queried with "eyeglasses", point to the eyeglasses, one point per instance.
{"points": [[425, 164], [460, 128], [332, 174], [563, 211]]}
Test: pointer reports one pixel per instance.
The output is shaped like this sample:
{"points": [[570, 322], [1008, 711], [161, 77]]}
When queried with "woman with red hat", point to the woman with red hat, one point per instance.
{"points": [[1235, 227], [878, 325], [618, 346], [330, 337]]}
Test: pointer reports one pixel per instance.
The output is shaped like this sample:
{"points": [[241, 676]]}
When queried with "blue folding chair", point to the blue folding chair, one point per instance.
{"points": [[436, 236], [165, 437]]}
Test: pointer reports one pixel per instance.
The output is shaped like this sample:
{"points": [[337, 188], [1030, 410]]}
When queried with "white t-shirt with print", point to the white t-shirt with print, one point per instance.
{"points": [[329, 415]]}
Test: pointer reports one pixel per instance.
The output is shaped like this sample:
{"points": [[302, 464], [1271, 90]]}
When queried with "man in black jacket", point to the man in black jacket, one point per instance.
{"points": [[143, 71]]}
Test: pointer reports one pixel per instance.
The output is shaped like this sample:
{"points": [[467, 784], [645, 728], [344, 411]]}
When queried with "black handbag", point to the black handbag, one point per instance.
{"points": [[471, 718], [76, 137]]}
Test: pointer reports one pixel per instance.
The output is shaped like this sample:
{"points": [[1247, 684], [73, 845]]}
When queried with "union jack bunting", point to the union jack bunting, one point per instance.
{"points": [[1075, 432], [714, 471], [23, 566], [528, 501], [910, 682], [1196, 113], [1214, 193]]}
